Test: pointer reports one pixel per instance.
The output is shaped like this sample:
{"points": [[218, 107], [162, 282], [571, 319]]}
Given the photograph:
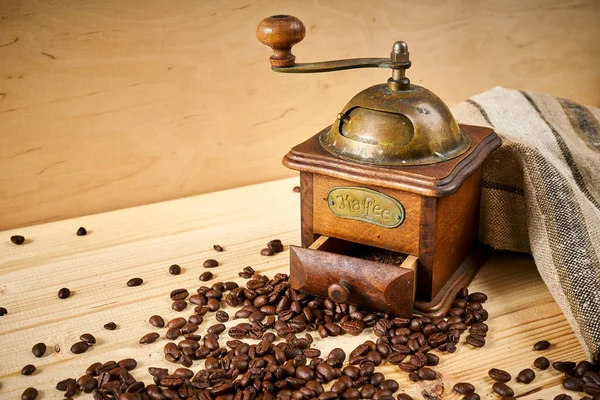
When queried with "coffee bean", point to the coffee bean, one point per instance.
{"points": [[563, 366], [87, 383], [174, 269], [296, 189], [29, 394], [541, 345], [135, 282], [541, 363], [432, 359], [390, 385], [475, 341], [267, 252], [404, 396], [499, 375], [28, 369], [526, 376], [574, 384], [128, 363], [149, 338], [477, 297], [179, 305], [210, 263], [88, 338], [426, 374], [503, 390], [3, 311], [216, 329], [563, 397], [39, 350], [221, 316], [179, 294], [217, 247], [64, 293], [157, 321], [275, 245], [353, 328], [206, 276], [472, 396], [111, 326], [79, 347], [464, 388], [17, 239], [81, 231], [247, 273]]}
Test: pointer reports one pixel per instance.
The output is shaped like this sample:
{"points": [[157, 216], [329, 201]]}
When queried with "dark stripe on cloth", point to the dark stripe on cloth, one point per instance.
{"points": [[503, 187], [484, 113], [566, 153], [584, 123]]}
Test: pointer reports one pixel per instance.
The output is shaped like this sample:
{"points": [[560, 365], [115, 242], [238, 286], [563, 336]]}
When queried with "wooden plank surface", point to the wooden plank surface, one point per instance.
{"points": [[112, 104], [144, 241]]}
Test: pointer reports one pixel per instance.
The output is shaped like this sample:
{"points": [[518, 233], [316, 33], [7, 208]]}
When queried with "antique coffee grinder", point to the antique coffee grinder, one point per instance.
{"points": [[389, 192]]}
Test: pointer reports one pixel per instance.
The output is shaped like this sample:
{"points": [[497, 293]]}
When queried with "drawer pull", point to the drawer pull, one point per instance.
{"points": [[339, 292]]}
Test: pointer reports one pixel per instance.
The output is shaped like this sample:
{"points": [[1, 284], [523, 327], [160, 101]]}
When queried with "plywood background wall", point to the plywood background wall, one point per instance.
{"points": [[110, 104]]}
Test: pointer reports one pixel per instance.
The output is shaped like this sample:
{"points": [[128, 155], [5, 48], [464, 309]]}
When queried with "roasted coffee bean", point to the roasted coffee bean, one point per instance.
{"points": [[404, 396], [503, 390], [28, 369], [574, 384], [563, 397], [464, 388], [179, 294], [247, 272], [81, 231], [216, 329], [79, 347], [128, 363], [135, 282], [174, 269], [221, 316], [3, 311], [210, 263], [206, 276], [88, 338], [541, 345], [111, 326], [179, 305], [353, 328], [157, 321], [267, 252], [472, 396], [563, 366], [29, 393], [177, 323], [541, 363], [39, 349], [432, 359], [149, 338], [477, 297], [499, 375], [526, 376], [217, 248], [390, 385], [87, 383], [475, 341], [17, 239], [426, 374], [64, 293], [275, 245]]}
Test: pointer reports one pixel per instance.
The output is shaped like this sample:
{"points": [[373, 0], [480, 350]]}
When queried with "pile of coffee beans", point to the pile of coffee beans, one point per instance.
{"points": [[273, 247]]}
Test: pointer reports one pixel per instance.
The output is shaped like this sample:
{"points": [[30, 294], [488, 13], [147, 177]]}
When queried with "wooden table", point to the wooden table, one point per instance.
{"points": [[144, 241]]}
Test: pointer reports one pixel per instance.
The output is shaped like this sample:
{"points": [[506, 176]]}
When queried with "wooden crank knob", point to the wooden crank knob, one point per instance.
{"points": [[281, 32], [339, 292]]}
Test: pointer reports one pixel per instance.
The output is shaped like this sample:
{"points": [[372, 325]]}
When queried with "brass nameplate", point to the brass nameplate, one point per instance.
{"points": [[365, 205]]}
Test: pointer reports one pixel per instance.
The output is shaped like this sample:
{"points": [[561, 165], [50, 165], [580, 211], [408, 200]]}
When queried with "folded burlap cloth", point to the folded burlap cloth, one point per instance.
{"points": [[541, 195]]}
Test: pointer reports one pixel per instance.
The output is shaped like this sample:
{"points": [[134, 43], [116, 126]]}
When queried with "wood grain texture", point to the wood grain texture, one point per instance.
{"points": [[112, 104], [144, 241]]}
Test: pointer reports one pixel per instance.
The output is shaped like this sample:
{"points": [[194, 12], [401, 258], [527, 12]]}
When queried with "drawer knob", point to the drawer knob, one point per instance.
{"points": [[339, 292]]}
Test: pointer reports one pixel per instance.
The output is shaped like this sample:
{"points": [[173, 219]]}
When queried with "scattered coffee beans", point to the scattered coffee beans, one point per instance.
{"points": [[135, 282], [541, 363], [541, 345], [499, 375], [39, 350], [275, 245], [217, 247], [149, 338], [3, 311], [502, 389], [64, 293], [79, 347], [111, 326], [88, 338], [464, 388], [210, 263], [563, 397], [28, 369], [81, 231], [247, 273], [222, 316], [17, 239], [206, 276], [157, 321], [29, 394], [471, 396], [179, 305], [267, 252], [174, 269], [526, 376]]}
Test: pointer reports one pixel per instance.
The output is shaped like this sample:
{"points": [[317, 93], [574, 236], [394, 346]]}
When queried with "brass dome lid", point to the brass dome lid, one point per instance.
{"points": [[385, 126]]}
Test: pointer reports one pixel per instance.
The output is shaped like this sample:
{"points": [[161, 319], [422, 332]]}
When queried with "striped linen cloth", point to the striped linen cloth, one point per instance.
{"points": [[541, 195]]}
